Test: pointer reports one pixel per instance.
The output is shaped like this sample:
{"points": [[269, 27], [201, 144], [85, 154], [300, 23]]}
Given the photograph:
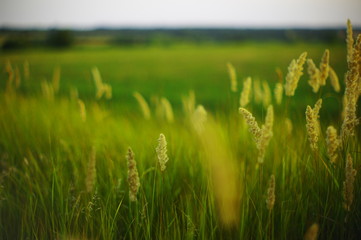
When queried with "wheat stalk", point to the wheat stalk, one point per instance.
{"points": [[133, 178]]}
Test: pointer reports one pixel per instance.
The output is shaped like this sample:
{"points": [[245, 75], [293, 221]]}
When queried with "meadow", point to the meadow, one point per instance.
{"points": [[150, 143]]}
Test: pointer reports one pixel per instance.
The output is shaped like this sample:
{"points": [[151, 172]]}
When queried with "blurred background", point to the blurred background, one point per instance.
{"points": [[167, 48]]}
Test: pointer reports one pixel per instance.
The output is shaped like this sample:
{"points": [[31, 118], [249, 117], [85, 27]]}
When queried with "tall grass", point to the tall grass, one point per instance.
{"points": [[67, 171]]}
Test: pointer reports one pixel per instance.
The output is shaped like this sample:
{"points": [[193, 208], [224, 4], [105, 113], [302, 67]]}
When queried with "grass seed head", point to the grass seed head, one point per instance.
{"points": [[332, 142], [314, 74], [245, 94], [278, 91], [133, 178], [295, 71], [232, 76], [271, 197], [334, 80], [324, 67], [162, 152], [348, 184], [143, 105], [312, 232]]}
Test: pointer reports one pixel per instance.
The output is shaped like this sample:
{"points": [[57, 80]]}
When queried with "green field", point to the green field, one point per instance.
{"points": [[64, 169]]}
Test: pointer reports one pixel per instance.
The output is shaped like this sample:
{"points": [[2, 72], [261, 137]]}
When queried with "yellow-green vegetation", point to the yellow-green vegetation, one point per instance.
{"points": [[156, 143]]}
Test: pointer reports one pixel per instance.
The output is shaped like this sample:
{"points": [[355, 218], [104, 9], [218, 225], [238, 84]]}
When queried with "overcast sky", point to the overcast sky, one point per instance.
{"points": [[180, 13]]}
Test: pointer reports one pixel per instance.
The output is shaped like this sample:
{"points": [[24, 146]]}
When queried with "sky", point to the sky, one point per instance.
{"points": [[179, 13]]}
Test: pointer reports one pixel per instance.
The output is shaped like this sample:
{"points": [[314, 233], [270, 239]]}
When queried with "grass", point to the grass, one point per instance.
{"points": [[212, 187]]}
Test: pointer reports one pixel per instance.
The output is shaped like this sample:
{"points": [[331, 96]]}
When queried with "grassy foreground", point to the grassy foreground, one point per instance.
{"points": [[64, 170]]}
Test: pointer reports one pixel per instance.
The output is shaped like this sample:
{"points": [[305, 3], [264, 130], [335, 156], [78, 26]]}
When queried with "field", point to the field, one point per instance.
{"points": [[65, 132]]}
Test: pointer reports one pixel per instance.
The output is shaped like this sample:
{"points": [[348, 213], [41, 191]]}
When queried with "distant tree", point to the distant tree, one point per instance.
{"points": [[60, 38], [14, 43]]}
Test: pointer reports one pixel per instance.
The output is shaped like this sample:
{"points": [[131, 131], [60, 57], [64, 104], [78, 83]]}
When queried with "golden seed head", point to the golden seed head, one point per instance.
{"points": [[314, 74], [143, 105], [232, 76], [133, 178], [244, 100], [162, 152], [271, 197], [324, 67], [278, 91], [348, 184], [199, 118], [295, 71], [334, 80], [312, 124], [312, 232], [332, 142]]}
